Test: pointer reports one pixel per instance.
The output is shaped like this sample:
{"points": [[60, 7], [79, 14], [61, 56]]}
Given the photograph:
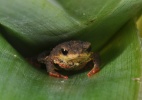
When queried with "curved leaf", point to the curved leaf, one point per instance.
{"points": [[116, 80], [34, 24], [139, 26]]}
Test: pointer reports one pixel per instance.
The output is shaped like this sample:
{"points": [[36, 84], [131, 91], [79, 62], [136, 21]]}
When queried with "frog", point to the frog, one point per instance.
{"points": [[71, 56]]}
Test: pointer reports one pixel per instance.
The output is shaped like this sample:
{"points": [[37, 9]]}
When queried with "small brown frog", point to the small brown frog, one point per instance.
{"points": [[72, 55]]}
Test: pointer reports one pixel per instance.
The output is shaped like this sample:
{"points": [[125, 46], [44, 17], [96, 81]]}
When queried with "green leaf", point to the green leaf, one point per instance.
{"points": [[139, 26], [121, 61], [39, 24], [31, 25]]}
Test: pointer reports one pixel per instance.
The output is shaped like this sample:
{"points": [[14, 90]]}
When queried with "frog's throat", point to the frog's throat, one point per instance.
{"points": [[75, 57], [74, 61]]}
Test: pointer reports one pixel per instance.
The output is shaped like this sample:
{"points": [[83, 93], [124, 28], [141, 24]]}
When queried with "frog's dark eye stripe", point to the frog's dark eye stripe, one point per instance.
{"points": [[64, 51]]}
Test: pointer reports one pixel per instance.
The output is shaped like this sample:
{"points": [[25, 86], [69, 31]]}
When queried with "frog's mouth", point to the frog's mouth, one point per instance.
{"points": [[73, 61]]}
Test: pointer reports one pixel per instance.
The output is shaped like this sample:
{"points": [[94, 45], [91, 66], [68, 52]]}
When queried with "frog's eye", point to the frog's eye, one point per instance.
{"points": [[89, 49], [64, 51]]}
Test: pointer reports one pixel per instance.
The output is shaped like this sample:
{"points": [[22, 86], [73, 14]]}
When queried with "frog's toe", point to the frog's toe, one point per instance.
{"points": [[93, 71], [58, 75]]}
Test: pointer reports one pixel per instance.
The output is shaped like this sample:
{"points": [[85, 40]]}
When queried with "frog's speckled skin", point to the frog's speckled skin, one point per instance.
{"points": [[72, 55]]}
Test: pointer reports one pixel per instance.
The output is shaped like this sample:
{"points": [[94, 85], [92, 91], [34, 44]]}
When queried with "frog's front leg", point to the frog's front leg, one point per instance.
{"points": [[97, 63], [52, 72]]}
